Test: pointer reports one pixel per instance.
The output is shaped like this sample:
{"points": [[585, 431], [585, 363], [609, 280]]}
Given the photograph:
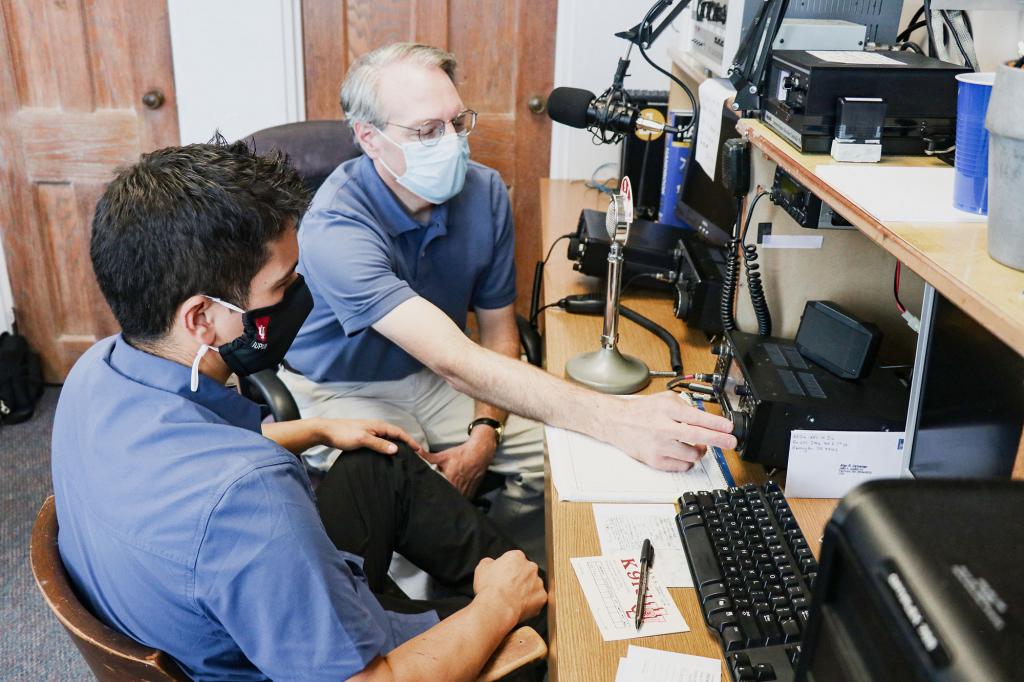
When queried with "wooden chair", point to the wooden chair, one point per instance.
{"points": [[113, 657]]}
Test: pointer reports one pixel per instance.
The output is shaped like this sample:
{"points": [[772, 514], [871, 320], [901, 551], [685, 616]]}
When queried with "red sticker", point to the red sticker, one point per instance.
{"points": [[262, 325]]}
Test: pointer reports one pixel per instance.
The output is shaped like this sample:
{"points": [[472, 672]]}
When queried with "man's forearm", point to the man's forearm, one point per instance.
{"points": [[455, 649], [295, 436]]}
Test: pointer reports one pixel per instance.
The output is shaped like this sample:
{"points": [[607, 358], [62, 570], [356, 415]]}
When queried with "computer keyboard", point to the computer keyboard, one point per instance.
{"points": [[753, 572]]}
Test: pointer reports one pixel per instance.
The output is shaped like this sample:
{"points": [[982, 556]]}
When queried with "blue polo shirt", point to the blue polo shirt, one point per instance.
{"points": [[187, 530], [362, 255]]}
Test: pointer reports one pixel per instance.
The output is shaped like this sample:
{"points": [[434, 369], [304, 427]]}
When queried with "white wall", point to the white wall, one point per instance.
{"points": [[586, 54], [237, 65], [6, 299]]}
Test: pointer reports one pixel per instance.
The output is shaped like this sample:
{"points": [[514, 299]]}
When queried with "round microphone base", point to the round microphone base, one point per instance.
{"points": [[608, 371]]}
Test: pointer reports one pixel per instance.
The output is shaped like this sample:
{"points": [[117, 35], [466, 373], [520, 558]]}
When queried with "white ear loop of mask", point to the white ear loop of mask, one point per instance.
{"points": [[194, 378]]}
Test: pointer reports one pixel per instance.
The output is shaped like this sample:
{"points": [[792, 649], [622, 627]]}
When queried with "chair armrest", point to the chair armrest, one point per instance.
{"points": [[521, 648], [530, 340], [267, 387]]}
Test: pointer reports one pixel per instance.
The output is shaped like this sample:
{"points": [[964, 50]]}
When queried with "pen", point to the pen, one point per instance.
{"points": [[646, 559]]}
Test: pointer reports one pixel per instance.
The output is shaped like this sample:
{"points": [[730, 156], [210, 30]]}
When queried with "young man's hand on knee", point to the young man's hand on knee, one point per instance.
{"points": [[344, 434]]}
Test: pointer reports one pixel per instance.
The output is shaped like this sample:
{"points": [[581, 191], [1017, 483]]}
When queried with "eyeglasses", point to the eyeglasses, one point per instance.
{"points": [[431, 132]]}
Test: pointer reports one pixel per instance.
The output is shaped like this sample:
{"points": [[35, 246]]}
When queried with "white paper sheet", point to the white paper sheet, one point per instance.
{"points": [[610, 586], [831, 463], [854, 57], [624, 527], [711, 94], [899, 193], [586, 470], [792, 241], [654, 665]]}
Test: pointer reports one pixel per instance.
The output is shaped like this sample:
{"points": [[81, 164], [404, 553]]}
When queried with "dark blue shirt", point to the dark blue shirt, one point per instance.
{"points": [[187, 530], [362, 255]]}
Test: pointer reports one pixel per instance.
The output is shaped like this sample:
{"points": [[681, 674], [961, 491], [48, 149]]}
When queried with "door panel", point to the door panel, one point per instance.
{"points": [[72, 76], [505, 51]]}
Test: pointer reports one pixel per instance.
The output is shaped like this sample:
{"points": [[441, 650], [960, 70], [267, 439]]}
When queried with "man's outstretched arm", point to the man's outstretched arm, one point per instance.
{"points": [[660, 430]]}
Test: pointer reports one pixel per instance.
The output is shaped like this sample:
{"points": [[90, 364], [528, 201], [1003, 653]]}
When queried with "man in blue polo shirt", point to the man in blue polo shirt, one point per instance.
{"points": [[397, 246], [185, 527]]}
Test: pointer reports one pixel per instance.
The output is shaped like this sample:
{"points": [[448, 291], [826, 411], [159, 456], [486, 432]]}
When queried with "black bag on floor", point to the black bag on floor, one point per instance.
{"points": [[21, 379]]}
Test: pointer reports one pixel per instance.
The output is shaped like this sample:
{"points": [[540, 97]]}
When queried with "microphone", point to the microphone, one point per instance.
{"points": [[579, 108]]}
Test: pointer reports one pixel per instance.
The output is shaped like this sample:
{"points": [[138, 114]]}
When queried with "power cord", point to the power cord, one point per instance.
{"points": [[538, 279], [754, 285]]}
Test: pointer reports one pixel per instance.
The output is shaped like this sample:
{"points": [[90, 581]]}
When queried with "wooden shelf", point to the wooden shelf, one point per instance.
{"points": [[952, 257]]}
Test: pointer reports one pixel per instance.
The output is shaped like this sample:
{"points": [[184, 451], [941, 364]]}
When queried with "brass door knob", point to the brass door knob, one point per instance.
{"points": [[537, 104], [154, 99]]}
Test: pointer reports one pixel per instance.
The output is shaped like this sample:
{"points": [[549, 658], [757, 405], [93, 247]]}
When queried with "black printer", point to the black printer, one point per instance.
{"points": [[804, 88], [920, 580]]}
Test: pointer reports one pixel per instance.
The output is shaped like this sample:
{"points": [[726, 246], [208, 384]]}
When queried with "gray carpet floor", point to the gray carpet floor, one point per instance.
{"points": [[33, 645]]}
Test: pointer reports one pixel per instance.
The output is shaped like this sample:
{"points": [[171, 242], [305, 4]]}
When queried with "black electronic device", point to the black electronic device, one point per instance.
{"points": [[967, 400], [919, 93], [754, 574], [705, 204], [802, 205], [919, 580], [701, 270], [642, 160], [836, 340], [650, 249], [768, 389], [670, 258]]}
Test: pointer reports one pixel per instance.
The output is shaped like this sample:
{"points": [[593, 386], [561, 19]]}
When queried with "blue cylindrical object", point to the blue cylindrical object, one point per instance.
{"points": [[970, 185]]}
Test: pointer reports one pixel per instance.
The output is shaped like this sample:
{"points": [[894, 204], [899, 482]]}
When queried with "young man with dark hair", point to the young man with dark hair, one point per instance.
{"points": [[184, 525]]}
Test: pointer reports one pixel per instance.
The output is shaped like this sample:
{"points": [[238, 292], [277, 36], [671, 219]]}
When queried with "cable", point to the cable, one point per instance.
{"points": [[594, 184], [896, 288], [968, 61], [732, 266], [754, 285], [907, 45], [568, 235], [643, 53], [533, 318]]}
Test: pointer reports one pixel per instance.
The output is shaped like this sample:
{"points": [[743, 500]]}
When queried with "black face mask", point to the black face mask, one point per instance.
{"points": [[268, 332]]}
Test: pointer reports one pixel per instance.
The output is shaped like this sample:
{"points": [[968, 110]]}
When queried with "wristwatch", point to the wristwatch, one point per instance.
{"points": [[493, 423]]}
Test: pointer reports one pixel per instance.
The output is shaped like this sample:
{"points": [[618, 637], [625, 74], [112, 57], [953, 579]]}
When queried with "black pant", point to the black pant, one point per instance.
{"points": [[373, 505]]}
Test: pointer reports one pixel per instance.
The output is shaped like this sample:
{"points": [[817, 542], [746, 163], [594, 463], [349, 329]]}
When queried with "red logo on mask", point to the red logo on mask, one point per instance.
{"points": [[262, 325]]}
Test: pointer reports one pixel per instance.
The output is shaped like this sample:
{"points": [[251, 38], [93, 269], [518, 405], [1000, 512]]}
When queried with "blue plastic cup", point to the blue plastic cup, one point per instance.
{"points": [[970, 185]]}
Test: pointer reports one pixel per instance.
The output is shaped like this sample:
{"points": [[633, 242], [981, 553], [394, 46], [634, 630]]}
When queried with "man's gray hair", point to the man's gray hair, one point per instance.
{"points": [[359, 91]]}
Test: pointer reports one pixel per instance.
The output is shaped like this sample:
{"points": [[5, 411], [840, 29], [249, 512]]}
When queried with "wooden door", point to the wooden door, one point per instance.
{"points": [[506, 54], [72, 77]]}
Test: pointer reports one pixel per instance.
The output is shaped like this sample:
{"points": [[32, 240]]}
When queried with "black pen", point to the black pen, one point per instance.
{"points": [[646, 559]]}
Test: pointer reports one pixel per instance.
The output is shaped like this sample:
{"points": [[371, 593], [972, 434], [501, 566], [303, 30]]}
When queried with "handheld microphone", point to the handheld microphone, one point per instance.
{"points": [[579, 108]]}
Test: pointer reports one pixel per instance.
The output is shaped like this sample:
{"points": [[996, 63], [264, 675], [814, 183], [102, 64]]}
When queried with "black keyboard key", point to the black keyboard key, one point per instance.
{"points": [[794, 654], [732, 638], [770, 629], [711, 591], [718, 604], [764, 672], [702, 560], [741, 602], [758, 596], [737, 660], [722, 619], [807, 565], [705, 500], [744, 673], [687, 499], [790, 629], [796, 593], [748, 626], [779, 603], [803, 615], [801, 604], [761, 607]]}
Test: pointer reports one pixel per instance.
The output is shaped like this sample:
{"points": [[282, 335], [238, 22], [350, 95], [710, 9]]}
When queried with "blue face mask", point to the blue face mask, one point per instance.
{"points": [[434, 174]]}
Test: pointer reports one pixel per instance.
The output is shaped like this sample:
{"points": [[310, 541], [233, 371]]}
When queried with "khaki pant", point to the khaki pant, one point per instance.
{"points": [[437, 415]]}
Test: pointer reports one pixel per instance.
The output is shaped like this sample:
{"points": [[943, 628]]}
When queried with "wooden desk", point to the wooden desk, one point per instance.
{"points": [[577, 651]]}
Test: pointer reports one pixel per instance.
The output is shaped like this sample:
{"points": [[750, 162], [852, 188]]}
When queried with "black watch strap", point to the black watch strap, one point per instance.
{"points": [[493, 423]]}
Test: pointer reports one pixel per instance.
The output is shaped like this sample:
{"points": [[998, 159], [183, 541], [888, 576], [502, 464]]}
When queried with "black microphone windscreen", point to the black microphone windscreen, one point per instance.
{"points": [[568, 106]]}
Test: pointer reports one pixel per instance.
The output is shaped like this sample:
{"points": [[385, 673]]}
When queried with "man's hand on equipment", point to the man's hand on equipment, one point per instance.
{"points": [[465, 465], [665, 432], [350, 434], [514, 581]]}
